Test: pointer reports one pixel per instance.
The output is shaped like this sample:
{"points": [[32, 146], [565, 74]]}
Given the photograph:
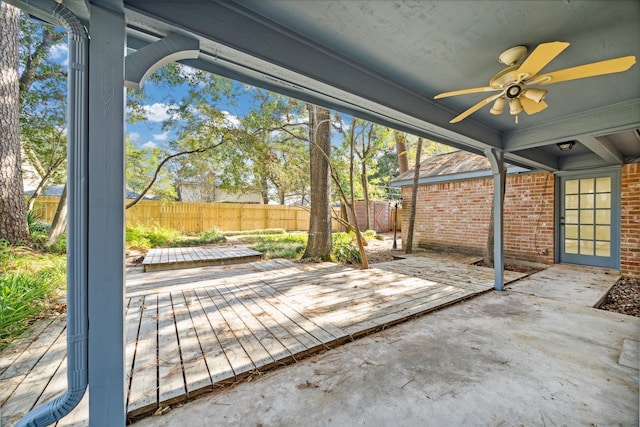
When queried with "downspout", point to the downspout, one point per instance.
{"points": [[77, 150]]}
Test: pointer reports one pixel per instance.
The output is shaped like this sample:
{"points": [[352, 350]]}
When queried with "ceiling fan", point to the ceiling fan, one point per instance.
{"points": [[514, 82]]}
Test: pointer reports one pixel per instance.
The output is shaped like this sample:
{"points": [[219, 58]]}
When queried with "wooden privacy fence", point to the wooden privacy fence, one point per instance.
{"points": [[194, 217]]}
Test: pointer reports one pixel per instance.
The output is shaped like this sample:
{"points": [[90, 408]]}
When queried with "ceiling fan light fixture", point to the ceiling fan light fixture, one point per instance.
{"points": [[566, 146], [535, 95], [498, 106], [515, 107]]}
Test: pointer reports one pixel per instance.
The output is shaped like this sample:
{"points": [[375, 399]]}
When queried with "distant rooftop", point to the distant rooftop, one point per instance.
{"points": [[449, 167]]}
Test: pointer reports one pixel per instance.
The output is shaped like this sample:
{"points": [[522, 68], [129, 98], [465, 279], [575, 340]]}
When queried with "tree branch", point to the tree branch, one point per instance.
{"points": [[164, 162]]}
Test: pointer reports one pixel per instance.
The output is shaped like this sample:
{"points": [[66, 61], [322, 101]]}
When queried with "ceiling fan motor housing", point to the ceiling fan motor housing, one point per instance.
{"points": [[513, 91]]}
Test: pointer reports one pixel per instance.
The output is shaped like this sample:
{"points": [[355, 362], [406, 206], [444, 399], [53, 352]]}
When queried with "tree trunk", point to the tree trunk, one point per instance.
{"points": [[13, 216], [489, 255], [365, 192], [319, 242], [264, 191], [414, 201], [59, 224], [401, 150]]}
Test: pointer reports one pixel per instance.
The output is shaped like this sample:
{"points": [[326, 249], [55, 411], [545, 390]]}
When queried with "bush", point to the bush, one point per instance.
{"points": [[36, 224], [345, 250], [289, 246], [25, 294], [141, 237]]}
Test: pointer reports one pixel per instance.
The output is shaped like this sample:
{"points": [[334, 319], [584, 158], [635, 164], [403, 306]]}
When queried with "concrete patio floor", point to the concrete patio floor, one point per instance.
{"points": [[503, 358]]}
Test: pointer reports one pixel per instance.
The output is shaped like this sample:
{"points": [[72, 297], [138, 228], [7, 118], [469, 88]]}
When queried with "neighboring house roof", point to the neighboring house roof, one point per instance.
{"points": [[452, 166], [56, 191]]}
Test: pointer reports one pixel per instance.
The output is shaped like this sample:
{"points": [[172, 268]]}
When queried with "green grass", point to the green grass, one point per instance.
{"points": [[289, 246], [255, 232], [141, 237], [30, 282]]}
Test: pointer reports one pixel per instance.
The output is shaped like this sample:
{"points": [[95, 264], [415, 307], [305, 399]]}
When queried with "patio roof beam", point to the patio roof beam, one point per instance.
{"points": [[142, 63], [242, 45], [600, 121], [603, 148]]}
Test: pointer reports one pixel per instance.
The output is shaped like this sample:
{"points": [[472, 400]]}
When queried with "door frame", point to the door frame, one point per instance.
{"points": [[615, 173]]}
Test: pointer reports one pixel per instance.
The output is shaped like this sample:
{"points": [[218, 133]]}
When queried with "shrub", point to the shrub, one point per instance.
{"points": [[36, 224], [289, 246], [345, 250], [24, 295], [141, 237]]}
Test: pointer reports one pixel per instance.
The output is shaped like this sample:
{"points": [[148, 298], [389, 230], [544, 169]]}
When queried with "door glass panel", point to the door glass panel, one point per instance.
{"points": [[603, 249], [571, 232], [587, 186], [586, 232], [586, 247], [603, 185], [603, 201], [571, 202], [586, 201], [603, 216], [571, 187], [586, 217], [603, 232], [571, 246], [571, 217]]}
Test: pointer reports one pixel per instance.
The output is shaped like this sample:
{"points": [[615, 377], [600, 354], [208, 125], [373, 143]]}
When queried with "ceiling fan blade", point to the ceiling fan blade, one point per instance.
{"points": [[466, 91], [540, 57], [610, 66], [476, 107], [532, 107]]}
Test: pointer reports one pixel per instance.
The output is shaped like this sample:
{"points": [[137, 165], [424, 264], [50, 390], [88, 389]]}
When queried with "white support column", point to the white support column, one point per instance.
{"points": [[106, 219], [496, 159]]}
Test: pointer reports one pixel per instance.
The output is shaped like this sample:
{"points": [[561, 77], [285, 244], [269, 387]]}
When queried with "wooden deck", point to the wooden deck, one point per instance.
{"points": [[158, 259], [201, 329]]}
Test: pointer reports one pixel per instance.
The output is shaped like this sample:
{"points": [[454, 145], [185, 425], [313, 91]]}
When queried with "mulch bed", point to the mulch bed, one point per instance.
{"points": [[624, 297]]}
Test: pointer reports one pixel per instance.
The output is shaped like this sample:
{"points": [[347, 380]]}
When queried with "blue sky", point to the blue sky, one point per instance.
{"points": [[149, 133]]}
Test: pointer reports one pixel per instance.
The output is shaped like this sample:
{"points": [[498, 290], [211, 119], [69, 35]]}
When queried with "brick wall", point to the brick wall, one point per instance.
{"points": [[454, 216], [630, 221]]}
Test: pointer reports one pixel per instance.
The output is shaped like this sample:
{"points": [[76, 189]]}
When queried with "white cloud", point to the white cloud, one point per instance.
{"points": [[60, 53], [161, 136], [149, 144], [133, 136], [231, 119], [157, 112]]}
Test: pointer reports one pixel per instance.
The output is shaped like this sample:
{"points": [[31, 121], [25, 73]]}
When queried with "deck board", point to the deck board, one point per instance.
{"points": [[218, 365], [171, 387], [193, 363], [205, 327], [143, 389]]}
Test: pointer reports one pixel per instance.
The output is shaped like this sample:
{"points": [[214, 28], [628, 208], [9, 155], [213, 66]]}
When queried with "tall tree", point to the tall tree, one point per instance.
{"points": [[414, 199], [43, 110], [319, 242], [13, 218], [401, 149]]}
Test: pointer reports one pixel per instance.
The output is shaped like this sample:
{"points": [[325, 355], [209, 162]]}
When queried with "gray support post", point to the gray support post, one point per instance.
{"points": [[496, 159], [106, 218]]}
